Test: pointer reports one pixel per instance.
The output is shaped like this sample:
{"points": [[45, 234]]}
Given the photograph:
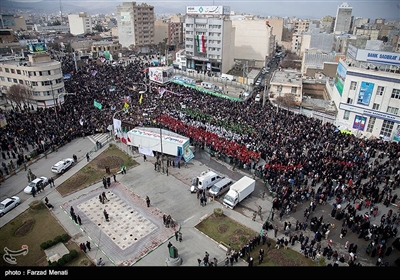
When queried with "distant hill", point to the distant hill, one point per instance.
{"points": [[54, 6]]}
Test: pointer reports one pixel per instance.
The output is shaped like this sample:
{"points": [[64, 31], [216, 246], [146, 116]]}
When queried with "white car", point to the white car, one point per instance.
{"points": [[8, 204], [258, 98], [62, 166], [38, 182]]}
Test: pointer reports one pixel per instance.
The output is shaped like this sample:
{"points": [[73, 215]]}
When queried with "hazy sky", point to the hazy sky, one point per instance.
{"points": [[388, 9]]}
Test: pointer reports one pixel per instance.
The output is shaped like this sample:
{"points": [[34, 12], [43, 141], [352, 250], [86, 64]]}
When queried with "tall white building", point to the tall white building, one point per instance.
{"points": [[136, 26], [367, 92], [80, 24], [209, 38], [343, 19]]}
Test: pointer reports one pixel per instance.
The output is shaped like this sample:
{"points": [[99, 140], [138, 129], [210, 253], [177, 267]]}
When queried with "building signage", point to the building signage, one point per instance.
{"points": [[208, 10], [340, 77], [125, 16], [365, 93], [369, 112], [372, 56], [352, 52], [359, 122]]}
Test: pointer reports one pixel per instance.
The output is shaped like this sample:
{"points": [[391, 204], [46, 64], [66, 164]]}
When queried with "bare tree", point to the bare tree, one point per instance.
{"points": [[287, 101], [19, 95]]}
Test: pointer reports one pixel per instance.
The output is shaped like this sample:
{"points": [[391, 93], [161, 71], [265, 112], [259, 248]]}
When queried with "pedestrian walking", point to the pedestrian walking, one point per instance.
{"points": [[75, 218], [115, 177], [167, 171], [79, 220], [147, 201], [88, 245], [254, 215], [87, 157], [101, 199], [176, 235], [46, 200], [144, 158], [180, 236], [105, 215], [104, 197], [276, 230]]}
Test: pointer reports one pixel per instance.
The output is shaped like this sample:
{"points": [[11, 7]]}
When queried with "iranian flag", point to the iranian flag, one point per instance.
{"points": [[201, 43]]}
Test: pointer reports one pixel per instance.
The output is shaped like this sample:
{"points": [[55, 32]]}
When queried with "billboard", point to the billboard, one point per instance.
{"points": [[364, 96], [37, 48], [359, 122], [161, 75], [340, 77], [208, 10]]}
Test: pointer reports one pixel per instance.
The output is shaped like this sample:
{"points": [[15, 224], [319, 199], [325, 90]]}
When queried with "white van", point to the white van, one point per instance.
{"points": [[220, 187]]}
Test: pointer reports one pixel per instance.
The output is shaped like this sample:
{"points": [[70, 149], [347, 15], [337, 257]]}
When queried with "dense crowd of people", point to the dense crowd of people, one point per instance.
{"points": [[300, 152]]}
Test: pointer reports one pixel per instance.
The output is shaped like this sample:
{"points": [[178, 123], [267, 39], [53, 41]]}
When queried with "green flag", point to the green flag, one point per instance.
{"points": [[98, 105]]}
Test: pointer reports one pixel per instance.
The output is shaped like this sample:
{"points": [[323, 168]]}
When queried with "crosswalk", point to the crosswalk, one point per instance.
{"points": [[103, 138]]}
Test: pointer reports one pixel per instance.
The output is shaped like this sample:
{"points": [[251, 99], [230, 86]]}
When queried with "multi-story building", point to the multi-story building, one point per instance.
{"points": [[136, 26], [42, 77], [100, 47], [15, 23], [327, 24], [209, 38], [367, 93], [256, 33], [314, 40], [286, 82], [343, 19], [80, 24], [359, 22]]}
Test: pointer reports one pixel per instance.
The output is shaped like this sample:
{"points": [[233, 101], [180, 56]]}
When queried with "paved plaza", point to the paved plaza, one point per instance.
{"points": [[133, 229]]}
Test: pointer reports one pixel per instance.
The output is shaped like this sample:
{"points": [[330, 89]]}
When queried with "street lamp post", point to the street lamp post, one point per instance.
{"points": [[52, 92], [279, 99]]}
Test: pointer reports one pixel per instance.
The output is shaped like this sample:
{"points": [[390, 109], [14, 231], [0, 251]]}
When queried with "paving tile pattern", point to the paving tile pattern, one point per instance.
{"points": [[133, 229]]}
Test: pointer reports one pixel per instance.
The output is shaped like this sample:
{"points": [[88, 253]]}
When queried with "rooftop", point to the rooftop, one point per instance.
{"points": [[286, 77]]}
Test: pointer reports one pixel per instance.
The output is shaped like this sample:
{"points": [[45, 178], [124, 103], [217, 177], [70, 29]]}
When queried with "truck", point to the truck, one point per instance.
{"points": [[239, 191], [205, 180]]}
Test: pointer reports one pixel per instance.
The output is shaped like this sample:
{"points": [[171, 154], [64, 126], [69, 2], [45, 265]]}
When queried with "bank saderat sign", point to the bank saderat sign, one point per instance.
{"points": [[392, 58], [208, 10]]}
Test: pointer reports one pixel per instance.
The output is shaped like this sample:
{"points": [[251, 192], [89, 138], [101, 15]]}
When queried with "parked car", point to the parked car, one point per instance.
{"points": [[62, 166], [258, 98], [8, 204], [39, 182]]}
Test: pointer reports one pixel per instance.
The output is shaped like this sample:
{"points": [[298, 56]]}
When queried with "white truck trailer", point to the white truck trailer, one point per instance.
{"points": [[239, 191]]}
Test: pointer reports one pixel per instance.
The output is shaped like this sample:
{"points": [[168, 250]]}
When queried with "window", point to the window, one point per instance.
{"points": [[396, 93], [346, 115], [13, 71], [294, 90], [371, 124], [2, 78], [9, 80], [349, 100], [392, 110], [353, 85], [387, 128], [380, 90], [7, 70], [34, 84], [18, 71], [375, 106], [21, 82], [15, 81], [46, 83]]}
